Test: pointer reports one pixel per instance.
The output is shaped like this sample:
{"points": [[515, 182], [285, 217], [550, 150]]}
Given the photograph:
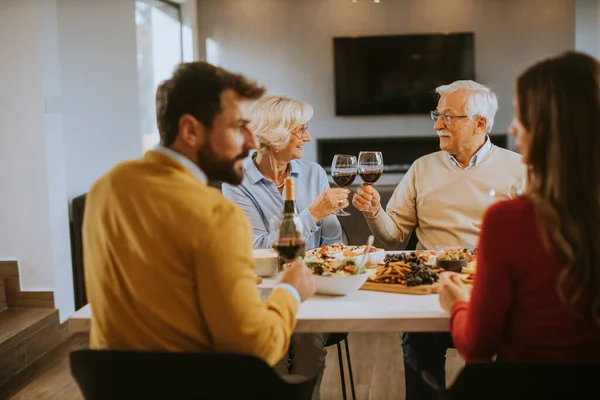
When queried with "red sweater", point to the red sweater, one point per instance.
{"points": [[515, 311]]}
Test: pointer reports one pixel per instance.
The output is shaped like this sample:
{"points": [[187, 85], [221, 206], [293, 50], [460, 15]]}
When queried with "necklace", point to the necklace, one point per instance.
{"points": [[287, 170]]}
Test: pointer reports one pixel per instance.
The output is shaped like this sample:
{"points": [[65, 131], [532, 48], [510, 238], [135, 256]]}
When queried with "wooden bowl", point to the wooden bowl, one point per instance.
{"points": [[452, 265]]}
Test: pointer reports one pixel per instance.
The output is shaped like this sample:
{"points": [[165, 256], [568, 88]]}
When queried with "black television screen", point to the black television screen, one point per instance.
{"points": [[378, 75]]}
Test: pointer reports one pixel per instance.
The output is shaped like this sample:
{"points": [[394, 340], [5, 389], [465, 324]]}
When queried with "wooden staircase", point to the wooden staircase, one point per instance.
{"points": [[29, 324]]}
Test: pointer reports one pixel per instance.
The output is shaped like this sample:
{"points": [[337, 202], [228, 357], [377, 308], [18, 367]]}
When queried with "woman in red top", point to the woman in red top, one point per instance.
{"points": [[536, 295]]}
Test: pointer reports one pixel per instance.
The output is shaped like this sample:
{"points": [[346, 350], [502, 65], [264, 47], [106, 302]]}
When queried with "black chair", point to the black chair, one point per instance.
{"points": [[77, 211], [104, 375], [337, 339], [521, 381]]}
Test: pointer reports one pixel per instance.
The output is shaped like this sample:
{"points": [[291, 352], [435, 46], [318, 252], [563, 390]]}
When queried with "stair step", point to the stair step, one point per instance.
{"points": [[26, 334], [9, 269], [17, 324], [3, 304]]}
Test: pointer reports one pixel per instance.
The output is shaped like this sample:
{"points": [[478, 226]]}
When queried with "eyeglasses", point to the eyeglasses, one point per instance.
{"points": [[447, 119], [301, 132]]}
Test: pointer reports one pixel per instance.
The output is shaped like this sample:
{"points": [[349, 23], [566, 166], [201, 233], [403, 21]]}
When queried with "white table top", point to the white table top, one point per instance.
{"points": [[362, 311]]}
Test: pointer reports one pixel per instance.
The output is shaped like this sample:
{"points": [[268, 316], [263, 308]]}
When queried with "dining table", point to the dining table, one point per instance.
{"points": [[359, 311]]}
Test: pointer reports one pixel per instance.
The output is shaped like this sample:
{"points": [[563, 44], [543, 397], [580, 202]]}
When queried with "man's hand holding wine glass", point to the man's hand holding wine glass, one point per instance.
{"points": [[370, 168], [300, 277], [328, 202], [367, 200]]}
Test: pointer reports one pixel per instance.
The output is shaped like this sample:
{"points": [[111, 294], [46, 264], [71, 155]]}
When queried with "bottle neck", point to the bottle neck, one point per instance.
{"points": [[289, 207]]}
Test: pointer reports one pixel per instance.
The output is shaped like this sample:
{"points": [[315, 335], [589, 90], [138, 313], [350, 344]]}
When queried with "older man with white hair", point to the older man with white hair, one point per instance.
{"points": [[443, 197]]}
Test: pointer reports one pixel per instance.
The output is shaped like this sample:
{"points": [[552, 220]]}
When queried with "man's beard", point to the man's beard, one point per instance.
{"points": [[218, 168]]}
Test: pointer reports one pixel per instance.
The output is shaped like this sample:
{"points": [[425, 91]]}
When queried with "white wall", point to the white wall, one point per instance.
{"points": [[25, 204], [587, 26], [69, 112], [55, 163], [99, 88], [287, 45]]}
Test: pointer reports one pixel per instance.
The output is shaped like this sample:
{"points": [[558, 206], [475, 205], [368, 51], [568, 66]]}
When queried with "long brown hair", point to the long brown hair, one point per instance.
{"points": [[559, 106]]}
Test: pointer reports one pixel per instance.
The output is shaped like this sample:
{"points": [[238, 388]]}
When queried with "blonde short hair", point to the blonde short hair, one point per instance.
{"points": [[275, 117]]}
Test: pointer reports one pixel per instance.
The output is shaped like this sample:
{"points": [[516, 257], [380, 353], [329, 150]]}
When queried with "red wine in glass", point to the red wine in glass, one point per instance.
{"points": [[343, 171], [290, 249], [343, 179], [370, 167], [370, 177]]}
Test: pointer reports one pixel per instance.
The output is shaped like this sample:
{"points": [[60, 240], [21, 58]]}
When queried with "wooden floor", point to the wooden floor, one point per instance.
{"points": [[49, 377], [377, 364]]}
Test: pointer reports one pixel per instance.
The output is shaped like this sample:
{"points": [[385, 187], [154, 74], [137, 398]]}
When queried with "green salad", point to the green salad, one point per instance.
{"points": [[345, 266]]}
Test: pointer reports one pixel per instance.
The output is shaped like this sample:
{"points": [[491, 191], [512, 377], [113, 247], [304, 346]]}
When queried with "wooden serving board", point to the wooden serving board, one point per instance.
{"points": [[397, 288]]}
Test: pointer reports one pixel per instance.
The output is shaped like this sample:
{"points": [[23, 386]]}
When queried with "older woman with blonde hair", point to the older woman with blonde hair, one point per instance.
{"points": [[281, 125]]}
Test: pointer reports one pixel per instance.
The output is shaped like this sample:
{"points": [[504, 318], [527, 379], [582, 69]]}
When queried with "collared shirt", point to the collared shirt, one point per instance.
{"points": [[198, 173], [478, 157], [263, 204], [194, 169]]}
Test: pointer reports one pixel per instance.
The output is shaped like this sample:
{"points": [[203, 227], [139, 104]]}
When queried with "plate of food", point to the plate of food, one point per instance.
{"points": [[342, 251], [406, 272], [337, 276], [468, 273], [455, 258]]}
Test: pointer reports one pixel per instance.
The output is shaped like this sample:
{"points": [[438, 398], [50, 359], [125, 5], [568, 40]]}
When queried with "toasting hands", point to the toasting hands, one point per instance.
{"points": [[328, 202], [367, 200]]}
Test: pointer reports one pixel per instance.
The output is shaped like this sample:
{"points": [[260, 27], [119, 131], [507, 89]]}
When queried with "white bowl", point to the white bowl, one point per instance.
{"points": [[339, 285], [373, 258], [267, 262]]}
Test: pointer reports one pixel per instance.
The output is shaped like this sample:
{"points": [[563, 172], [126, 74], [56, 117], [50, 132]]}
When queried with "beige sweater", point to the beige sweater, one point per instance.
{"points": [[443, 202]]}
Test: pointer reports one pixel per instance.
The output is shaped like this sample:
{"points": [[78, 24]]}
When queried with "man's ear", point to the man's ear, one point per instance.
{"points": [[480, 124], [191, 131]]}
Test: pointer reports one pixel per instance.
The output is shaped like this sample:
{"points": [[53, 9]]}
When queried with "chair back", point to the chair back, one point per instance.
{"points": [[103, 375], [516, 381]]}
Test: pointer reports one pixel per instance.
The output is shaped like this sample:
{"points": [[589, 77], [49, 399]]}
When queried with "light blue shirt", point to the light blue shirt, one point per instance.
{"points": [[194, 169], [477, 157], [198, 173], [261, 201]]}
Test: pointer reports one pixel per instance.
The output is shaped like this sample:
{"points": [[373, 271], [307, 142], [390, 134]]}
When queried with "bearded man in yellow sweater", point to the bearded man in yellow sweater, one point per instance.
{"points": [[168, 260], [443, 197]]}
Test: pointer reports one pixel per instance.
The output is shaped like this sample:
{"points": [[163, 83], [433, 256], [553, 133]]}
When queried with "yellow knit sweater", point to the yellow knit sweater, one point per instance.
{"points": [[168, 266]]}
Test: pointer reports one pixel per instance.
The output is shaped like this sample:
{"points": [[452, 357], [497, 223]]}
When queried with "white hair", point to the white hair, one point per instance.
{"points": [[275, 117], [481, 101]]}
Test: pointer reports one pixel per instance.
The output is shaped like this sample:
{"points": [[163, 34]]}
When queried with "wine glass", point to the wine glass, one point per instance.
{"points": [[370, 167], [515, 189], [343, 171], [288, 238]]}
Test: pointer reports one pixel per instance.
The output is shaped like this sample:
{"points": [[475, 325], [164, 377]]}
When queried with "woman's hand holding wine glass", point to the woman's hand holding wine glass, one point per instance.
{"points": [[343, 171], [329, 201]]}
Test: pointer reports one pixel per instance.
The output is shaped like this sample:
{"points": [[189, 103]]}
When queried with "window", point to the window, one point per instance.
{"points": [[163, 41]]}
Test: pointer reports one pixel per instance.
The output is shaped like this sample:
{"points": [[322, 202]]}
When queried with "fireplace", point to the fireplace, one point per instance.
{"points": [[398, 152]]}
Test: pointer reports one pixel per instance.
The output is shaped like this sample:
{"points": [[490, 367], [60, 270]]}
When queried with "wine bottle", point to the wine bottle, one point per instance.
{"points": [[291, 243]]}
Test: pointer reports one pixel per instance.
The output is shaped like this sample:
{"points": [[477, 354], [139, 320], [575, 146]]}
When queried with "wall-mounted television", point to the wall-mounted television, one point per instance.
{"points": [[386, 75]]}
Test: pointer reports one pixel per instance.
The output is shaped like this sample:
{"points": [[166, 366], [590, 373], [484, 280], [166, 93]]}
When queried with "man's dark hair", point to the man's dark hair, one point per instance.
{"points": [[195, 88]]}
